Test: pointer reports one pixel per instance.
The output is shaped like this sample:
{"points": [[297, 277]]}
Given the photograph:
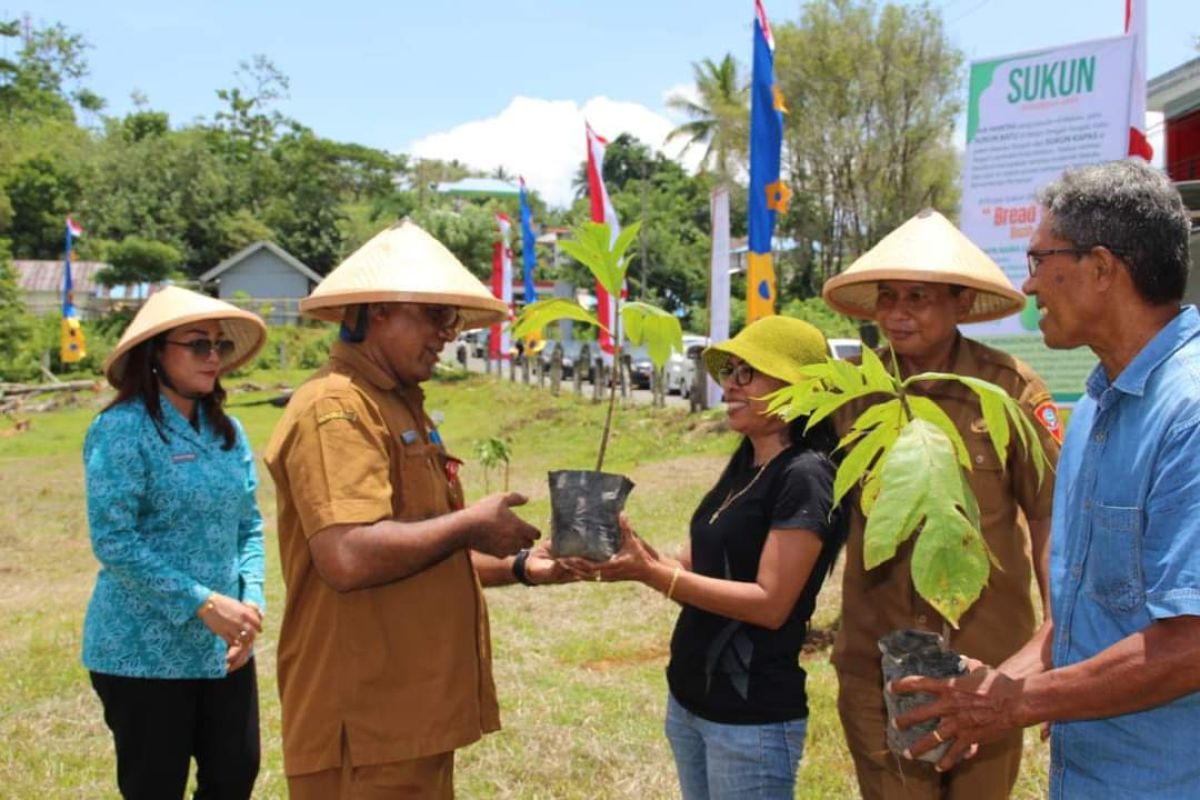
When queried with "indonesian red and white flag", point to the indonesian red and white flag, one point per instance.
{"points": [[602, 211], [498, 343], [1135, 26]]}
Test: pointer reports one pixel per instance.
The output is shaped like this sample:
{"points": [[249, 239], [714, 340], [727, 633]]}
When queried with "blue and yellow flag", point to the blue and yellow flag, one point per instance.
{"points": [[768, 194], [72, 346]]}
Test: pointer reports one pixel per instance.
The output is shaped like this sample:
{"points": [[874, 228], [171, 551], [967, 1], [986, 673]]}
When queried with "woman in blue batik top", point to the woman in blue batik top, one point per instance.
{"points": [[170, 629]]}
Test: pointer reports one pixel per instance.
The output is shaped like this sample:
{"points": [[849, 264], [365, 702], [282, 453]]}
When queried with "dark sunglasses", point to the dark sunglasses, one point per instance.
{"points": [[742, 374], [202, 348]]}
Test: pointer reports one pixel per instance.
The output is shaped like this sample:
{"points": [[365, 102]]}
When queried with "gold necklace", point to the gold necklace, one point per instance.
{"points": [[731, 497]]}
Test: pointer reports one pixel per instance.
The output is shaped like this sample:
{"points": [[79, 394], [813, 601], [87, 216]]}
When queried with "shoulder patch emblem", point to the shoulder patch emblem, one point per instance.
{"points": [[1048, 417], [330, 416]]}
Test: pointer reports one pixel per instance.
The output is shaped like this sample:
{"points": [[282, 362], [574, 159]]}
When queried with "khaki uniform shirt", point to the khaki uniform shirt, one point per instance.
{"points": [[402, 670], [883, 599]]}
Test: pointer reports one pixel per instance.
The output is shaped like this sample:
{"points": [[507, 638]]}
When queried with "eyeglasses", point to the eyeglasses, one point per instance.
{"points": [[444, 318], [1034, 257], [741, 373], [202, 348]]}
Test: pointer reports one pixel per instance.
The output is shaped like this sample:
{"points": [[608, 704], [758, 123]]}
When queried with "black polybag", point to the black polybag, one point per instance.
{"points": [[911, 652], [584, 510]]}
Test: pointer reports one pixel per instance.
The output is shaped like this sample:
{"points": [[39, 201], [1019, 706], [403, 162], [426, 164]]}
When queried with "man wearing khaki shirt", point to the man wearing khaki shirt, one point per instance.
{"points": [[918, 284], [384, 652]]}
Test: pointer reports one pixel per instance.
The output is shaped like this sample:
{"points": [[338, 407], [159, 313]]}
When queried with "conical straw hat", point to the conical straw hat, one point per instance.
{"points": [[404, 264], [930, 249], [173, 306]]}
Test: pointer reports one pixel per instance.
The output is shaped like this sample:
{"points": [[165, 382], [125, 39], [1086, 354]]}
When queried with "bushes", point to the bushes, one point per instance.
{"points": [[294, 347]]}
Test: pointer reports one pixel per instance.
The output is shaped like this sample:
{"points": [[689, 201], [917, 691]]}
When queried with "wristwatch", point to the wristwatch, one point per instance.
{"points": [[518, 568]]}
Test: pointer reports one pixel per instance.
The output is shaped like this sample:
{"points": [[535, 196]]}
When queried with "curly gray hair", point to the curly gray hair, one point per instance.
{"points": [[1132, 209]]}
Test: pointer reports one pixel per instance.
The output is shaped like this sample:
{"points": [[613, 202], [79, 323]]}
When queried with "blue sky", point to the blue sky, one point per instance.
{"points": [[490, 81]]}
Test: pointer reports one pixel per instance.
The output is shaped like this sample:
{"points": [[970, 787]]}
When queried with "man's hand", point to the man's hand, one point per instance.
{"points": [[975, 708], [496, 530], [543, 569]]}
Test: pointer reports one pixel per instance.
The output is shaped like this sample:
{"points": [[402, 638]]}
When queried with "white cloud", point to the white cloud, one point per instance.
{"points": [[544, 140], [687, 91]]}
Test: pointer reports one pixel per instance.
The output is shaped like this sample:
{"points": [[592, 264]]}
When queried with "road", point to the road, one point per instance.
{"points": [[640, 396]]}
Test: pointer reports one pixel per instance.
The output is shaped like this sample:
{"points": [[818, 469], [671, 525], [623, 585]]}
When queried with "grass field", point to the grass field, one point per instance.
{"points": [[579, 667]]}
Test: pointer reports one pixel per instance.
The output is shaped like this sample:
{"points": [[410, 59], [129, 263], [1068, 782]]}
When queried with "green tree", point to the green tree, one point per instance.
{"points": [[720, 117], [138, 260], [873, 98], [468, 233], [39, 83], [42, 191], [18, 360]]}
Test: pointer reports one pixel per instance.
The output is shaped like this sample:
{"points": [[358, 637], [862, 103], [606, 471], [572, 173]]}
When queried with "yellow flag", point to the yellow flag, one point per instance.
{"points": [[73, 346], [760, 286]]}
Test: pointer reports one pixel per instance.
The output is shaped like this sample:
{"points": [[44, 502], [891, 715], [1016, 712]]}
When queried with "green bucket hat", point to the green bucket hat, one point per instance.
{"points": [[775, 346]]}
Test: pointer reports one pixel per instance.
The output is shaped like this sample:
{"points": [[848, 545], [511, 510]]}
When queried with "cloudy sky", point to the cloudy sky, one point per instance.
{"points": [[502, 84]]}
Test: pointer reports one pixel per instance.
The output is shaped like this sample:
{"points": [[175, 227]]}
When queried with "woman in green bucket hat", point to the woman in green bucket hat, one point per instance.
{"points": [[761, 543]]}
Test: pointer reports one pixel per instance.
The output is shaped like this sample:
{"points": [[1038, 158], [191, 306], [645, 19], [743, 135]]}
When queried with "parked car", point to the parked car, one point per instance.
{"points": [[681, 367], [845, 348], [641, 368], [570, 352]]}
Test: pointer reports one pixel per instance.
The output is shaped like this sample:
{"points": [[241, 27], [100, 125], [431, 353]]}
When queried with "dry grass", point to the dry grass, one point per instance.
{"points": [[579, 668]]}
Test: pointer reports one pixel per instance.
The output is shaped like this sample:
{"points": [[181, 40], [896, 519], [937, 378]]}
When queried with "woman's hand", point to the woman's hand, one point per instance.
{"points": [[234, 621], [237, 657], [633, 562]]}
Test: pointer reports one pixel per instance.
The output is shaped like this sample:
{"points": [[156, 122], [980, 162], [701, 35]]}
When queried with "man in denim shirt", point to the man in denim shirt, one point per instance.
{"points": [[1116, 672]]}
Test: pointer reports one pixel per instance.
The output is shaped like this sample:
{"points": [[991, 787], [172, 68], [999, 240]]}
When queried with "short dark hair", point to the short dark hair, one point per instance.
{"points": [[1132, 209]]}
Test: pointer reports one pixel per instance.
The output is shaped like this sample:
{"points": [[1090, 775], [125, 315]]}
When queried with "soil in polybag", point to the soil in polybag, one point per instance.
{"points": [[584, 506], [910, 652]]}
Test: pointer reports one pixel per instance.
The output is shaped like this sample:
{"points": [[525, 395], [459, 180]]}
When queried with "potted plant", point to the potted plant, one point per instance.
{"points": [[909, 461], [585, 503]]}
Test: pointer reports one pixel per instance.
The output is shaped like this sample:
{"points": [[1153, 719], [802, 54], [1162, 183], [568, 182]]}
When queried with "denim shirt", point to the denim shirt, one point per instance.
{"points": [[1125, 552], [171, 522]]}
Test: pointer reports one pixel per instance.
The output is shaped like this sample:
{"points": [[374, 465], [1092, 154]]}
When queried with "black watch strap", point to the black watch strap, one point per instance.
{"points": [[518, 567]]}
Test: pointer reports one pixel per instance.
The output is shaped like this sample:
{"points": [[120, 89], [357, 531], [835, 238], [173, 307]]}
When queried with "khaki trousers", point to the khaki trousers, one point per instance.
{"points": [[990, 775], [430, 777]]}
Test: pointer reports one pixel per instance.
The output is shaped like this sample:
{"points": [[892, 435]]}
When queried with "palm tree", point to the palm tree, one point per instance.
{"points": [[720, 115]]}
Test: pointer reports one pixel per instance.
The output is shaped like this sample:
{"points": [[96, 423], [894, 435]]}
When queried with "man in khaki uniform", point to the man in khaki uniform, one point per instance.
{"points": [[918, 284], [384, 654]]}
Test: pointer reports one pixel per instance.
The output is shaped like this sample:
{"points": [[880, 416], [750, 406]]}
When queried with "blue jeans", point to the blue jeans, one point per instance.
{"points": [[718, 761]]}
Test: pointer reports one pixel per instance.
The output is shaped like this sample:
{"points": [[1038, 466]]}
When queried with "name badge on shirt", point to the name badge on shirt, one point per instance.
{"points": [[182, 458]]}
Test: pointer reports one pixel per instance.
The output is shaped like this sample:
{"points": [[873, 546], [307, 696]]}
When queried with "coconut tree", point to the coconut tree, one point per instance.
{"points": [[720, 116]]}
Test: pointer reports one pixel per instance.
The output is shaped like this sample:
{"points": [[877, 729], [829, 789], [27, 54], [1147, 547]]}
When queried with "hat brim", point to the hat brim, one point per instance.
{"points": [[477, 312], [855, 294]]}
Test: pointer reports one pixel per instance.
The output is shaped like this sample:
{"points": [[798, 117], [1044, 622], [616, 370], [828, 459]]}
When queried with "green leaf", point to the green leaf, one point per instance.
{"points": [[889, 412], [860, 459], [875, 373], [536, 316], [659, 330], [926, 409], [922, 486], [845, 376], [950, 566], [592, 245]]}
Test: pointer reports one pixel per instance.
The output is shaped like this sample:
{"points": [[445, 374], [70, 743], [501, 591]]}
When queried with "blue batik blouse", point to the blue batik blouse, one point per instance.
{"points": [[171, 522]]}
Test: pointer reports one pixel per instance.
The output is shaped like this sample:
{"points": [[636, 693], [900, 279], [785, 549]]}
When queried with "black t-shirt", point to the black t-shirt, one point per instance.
{"points": [[735, 672]]}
